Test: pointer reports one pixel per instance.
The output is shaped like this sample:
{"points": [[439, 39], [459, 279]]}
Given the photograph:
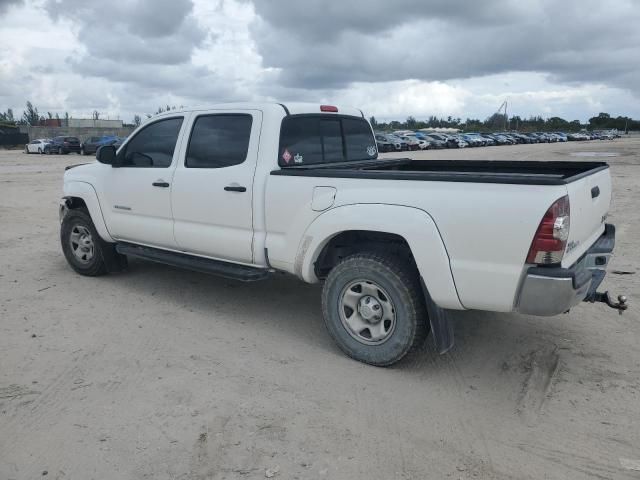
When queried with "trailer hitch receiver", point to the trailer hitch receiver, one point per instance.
{"points": [[621, 305]]}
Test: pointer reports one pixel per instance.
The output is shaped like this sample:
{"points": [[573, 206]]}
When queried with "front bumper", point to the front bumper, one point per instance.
{"points": [[548, 291]]}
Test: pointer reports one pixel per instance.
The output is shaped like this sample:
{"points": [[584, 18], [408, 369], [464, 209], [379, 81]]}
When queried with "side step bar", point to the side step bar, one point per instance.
{"points": [[191, 262]]}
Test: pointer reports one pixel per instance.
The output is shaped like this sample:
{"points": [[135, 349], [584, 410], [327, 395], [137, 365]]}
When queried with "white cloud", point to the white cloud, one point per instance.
{"points": [[392, 60]]}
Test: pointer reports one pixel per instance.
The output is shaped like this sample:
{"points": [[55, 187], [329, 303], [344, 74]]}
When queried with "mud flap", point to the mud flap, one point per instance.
{"points": [[113, 261], [441, 324]]}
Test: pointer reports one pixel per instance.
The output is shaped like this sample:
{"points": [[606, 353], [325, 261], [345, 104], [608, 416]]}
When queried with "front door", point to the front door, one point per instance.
{"points": [[213, 185], [138, 192]]}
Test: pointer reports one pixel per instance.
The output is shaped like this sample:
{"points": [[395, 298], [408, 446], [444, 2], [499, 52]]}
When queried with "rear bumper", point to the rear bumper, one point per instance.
{"points": [[550, 291]]}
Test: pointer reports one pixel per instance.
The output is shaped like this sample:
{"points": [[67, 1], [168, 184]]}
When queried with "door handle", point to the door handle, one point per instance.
{"points": [[235, 188], [160, 183]]}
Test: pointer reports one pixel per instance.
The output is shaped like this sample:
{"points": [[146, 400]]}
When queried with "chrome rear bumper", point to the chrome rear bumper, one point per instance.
{"points": [[548, 291]]}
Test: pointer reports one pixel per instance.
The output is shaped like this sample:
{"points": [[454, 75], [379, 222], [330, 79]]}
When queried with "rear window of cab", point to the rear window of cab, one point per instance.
{"points": [[317, 139]]}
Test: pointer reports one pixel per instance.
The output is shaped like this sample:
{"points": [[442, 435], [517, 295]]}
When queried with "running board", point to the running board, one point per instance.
{"points": [[191, 262]]}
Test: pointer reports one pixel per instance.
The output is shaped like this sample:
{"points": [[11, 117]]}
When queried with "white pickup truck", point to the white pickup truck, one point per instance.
{"points": [[244, 190]]}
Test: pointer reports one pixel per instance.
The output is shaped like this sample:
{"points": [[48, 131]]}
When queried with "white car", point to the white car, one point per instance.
{"points": [[247, 190], [36, 146]]}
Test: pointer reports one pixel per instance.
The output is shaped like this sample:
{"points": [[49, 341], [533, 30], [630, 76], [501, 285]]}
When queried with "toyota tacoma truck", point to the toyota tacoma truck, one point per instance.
{"points": [[246, 190]]}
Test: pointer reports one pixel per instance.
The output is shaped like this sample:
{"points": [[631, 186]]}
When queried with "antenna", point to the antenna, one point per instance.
{"points": [[503, 107]]}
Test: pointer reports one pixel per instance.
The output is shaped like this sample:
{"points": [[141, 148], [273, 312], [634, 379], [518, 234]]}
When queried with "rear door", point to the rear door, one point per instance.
{"points": [[213, 185], [137, 194]]}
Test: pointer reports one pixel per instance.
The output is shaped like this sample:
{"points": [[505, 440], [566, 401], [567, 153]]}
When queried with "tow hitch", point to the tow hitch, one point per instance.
{"points": [[621, 305]]}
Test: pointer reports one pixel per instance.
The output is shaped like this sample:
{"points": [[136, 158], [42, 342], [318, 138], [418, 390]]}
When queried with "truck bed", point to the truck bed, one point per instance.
{"points": [[473, 171]]}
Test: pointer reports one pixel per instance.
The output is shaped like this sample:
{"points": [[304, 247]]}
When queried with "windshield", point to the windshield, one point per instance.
{"points": [[316, 139]]}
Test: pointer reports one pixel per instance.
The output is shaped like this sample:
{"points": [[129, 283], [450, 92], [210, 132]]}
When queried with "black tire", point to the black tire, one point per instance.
{"points": [[78, 221], [399, 279], [84, 152]]}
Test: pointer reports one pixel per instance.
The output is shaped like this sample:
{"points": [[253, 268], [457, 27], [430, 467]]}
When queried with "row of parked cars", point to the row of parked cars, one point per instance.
{"points": [[63, 145], [425, 140]]}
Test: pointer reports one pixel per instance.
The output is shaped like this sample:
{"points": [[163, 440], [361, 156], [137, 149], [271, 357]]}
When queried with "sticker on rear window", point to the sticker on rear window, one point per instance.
{"points": [[298, 158], [286, 156], [371, 150]]}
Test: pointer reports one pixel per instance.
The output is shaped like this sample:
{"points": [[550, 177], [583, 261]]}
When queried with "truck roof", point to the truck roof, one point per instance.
{"points": [[293, 108]]}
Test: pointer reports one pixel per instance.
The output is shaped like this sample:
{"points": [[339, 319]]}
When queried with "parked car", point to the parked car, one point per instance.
{"points": [[562, 137], [533, 138], [413, 142], [392, 247], [63, 145], [435, 143], [474, 140], [91, 144], [489, 141], [37, 146], [399, 144], [383, 144], [449, 140]]}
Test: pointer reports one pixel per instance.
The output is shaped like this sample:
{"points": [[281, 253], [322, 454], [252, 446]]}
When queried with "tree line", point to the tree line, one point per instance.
{"points": [[499, 122], [33, 117], [496, 122]]}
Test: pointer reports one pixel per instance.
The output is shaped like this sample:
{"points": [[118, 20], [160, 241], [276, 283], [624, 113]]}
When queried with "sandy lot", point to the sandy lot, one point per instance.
{"points": [[165, 374]]}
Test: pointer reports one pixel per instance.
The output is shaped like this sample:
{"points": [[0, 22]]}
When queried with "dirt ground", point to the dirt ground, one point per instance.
{"points": [[166, 374]]}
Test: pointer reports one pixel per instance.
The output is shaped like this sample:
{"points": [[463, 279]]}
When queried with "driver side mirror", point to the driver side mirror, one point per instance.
{"points": [[106, 154]]}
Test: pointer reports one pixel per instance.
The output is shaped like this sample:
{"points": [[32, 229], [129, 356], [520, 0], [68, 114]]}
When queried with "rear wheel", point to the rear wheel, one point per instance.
{"points": [[81, 244], [374, 309]]}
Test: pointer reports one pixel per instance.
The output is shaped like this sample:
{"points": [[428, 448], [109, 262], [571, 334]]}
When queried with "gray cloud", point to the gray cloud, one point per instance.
{"points": [[6, 4], [159, 32], [317, 43], [407, 57]]}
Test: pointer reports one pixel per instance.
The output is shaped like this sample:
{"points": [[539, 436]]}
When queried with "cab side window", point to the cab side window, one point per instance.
{"points": [[153, 146], [219, 141]]}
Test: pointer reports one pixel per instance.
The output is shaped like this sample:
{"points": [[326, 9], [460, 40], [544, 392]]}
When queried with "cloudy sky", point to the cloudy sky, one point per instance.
{"points": [[573, 58]]}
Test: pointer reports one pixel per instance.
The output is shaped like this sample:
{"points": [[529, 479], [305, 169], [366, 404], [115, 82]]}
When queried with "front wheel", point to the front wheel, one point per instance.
{"points": [[81, 244], [374, 309]]}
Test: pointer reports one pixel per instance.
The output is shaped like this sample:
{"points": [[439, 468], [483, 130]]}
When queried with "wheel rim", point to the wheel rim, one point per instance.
{"points": [[367, 312], [81, 243]]}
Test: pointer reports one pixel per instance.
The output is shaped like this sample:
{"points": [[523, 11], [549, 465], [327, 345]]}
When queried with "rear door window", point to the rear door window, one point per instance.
{"points": [[313, 139], [219, 141]]}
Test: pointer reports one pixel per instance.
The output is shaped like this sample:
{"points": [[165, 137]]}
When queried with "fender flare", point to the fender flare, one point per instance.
{"points": [[87, 193], [416, 226]]}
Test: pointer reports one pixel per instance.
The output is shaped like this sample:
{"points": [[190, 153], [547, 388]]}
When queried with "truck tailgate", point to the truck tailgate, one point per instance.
{"points": [[589, 199]]}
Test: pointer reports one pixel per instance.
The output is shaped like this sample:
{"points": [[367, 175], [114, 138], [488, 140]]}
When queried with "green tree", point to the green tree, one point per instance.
{"points": [[31, 115]]}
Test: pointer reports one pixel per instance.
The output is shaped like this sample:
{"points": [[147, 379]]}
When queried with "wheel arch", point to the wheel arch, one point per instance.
{"points": [[382, 224], [83, 195]]}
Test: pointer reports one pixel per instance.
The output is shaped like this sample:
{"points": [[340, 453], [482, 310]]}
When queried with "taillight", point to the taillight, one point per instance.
{"points": [[551, 237], [328, 108]]}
